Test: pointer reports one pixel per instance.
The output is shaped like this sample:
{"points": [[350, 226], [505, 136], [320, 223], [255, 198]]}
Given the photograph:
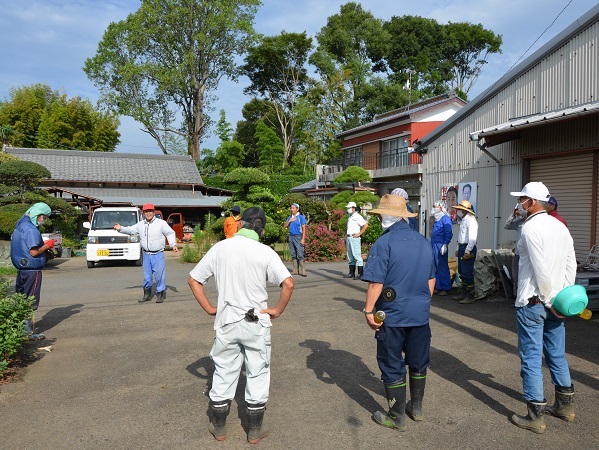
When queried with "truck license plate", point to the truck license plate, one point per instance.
{"points": [[103, 252]]}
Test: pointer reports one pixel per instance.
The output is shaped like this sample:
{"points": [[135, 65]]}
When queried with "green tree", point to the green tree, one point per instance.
{"points": [[242, 179], [224, 130], [277, 71], [270, 148], [347, 45], [172, 53], [245, 133], [41, 118], [24, 174], [229, 156], [353, 174]]}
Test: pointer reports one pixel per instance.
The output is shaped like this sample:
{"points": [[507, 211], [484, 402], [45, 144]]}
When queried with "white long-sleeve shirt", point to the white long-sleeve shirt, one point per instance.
{"points": [[468, 232], [152, 234], [547, 259]]}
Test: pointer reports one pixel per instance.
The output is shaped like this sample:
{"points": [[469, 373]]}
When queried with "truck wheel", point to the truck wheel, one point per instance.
{"points": [[140, 261], [90, 264]]}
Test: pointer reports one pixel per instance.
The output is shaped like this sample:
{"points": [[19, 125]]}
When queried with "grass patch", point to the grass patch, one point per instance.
{"points": [[8, 271]]}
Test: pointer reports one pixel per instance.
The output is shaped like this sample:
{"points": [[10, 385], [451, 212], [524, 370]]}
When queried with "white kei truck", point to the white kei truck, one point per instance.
{"points": [[104, 243]]}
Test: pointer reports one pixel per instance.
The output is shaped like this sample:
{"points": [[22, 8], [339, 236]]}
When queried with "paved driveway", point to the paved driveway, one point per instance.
{"points": [[129, 375]]}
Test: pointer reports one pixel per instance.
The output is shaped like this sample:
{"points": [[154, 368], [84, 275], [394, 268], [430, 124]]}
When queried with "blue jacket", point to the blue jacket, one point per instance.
{"points": [[402, 259], [442, 231], [25, 237]]}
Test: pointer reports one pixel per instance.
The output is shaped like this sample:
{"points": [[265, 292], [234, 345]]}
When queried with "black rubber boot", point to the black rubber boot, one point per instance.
{"points": [[417, 384], [218, 419], [302, 268], [352, 272], [563, 407], [147, 295], [534, 420], [256, 429], [360, 273], [462, 294], [160, 296], [395, 418]]}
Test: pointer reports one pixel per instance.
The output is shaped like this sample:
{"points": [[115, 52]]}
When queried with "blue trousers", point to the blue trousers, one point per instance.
{"points": [[540, 332], [354, 251], [295, 247], [29, 282], [466, 266], [414, 342], [443, 282], [153, 266]]}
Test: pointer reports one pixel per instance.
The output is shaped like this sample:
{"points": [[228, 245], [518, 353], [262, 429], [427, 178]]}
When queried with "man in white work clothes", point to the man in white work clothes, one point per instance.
{"points": [[241, 266], [356, 226], [547, 265], [152, 232]]}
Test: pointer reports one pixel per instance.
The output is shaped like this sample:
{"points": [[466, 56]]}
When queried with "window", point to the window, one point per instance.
{"points": [[352, 156], [394, 152]]}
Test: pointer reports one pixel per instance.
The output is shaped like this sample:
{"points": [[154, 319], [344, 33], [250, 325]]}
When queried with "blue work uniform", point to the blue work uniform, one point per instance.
{"points": [[402, 261], [29, 278], [442, 234], [295, 237]]}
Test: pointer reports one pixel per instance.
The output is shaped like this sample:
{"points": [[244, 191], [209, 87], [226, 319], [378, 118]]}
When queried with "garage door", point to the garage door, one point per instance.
{"points": [[570, 181]]}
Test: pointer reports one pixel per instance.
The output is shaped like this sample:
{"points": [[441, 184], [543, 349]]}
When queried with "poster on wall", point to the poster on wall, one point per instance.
{"points": [[449, 194], [468, 191]]}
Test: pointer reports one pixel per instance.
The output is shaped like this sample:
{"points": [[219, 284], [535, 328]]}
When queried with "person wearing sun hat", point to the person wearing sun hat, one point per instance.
{"points": [[547, 265], [400, 273], [466, 252]]}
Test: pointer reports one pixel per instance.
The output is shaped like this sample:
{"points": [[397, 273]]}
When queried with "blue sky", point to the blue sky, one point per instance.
{"points": [[47, 41]]}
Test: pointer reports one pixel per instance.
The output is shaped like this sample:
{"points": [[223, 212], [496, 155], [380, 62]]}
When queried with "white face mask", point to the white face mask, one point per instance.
{"points": [[461, 214], [437, 214], [349, 210], [523, 212], [387, 221]]}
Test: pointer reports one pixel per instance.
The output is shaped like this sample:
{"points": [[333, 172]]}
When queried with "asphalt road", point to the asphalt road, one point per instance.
{"points": [[128, 375]]}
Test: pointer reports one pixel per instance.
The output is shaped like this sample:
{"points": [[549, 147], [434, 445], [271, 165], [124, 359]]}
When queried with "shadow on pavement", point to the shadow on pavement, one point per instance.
{"points": [[345, 370], [460, 374], [57, 315]]}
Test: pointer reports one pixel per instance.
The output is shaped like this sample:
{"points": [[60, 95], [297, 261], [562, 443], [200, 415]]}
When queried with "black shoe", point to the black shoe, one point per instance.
{"points": [[160, 296]]}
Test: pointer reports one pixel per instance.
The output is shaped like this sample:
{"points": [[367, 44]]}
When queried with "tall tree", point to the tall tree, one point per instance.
{"points": [[347, 45], [270, 147], [167, 57], [277, 72], [245, 132]]}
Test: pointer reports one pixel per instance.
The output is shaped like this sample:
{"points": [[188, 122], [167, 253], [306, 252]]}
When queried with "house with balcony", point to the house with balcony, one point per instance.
{"points": [[385, 146]]}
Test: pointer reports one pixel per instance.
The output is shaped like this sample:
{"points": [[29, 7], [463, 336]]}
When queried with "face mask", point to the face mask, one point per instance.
{"points": [[434, 211], [523, 212], [461, 214], [387, 221], [438, 214], [349, 210]]}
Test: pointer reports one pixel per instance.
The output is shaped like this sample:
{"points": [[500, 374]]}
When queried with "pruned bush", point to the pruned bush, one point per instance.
{"points": [[15, 309], [323, 244], [9, 216]]}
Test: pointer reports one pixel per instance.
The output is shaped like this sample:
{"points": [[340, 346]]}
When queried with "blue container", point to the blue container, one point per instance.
{"points": [[571, 301]]}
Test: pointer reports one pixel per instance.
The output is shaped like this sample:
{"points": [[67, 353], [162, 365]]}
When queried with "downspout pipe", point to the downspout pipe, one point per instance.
{"points": [[483, 148]]}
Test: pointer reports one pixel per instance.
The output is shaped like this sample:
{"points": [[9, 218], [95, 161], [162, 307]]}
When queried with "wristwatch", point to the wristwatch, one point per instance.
{"points": [[366, 313]]}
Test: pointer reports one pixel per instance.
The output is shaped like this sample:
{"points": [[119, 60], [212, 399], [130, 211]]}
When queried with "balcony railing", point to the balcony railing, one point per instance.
{"points": [[378, 161]]}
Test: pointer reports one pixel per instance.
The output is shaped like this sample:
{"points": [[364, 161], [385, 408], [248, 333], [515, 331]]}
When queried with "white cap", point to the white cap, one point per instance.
{"points": [[535, 190], [351, 205], [401, 192]]}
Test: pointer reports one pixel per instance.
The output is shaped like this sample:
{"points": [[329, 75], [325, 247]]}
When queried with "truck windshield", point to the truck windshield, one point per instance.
{"points": [[104, 220]]}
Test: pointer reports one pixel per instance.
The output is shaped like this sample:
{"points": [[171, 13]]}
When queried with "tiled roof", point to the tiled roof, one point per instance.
{"points": [[312, 184], [159, 197], [76, 165]]}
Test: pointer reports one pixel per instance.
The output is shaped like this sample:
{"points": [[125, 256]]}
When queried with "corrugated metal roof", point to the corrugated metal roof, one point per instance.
{"points": [[503, 129], [546, 50], [77, 165], [160, 197]]}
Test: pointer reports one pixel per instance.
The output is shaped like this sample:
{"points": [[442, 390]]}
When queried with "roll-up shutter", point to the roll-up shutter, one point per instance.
{"points": [[570, 181]]}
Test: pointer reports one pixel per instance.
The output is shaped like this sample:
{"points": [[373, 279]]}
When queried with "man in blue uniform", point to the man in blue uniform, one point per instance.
{"points": [[28, 255], [296, 224], [401, 277], [440, 239]]}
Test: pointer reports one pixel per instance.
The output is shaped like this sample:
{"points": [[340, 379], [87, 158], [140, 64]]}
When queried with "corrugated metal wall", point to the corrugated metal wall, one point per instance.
{"points": [[566, 77]]}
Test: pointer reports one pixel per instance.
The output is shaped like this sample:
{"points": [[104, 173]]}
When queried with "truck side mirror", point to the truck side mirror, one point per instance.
{"points": [[87, 225]]}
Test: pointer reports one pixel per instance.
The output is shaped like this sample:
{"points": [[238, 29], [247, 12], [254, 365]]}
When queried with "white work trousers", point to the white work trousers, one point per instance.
{"points": [[234, 344]]}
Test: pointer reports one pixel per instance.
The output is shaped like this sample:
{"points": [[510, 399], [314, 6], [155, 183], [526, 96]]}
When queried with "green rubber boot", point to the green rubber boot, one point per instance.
{"points": [[395, 418], [563, 408], [534, 420]]}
